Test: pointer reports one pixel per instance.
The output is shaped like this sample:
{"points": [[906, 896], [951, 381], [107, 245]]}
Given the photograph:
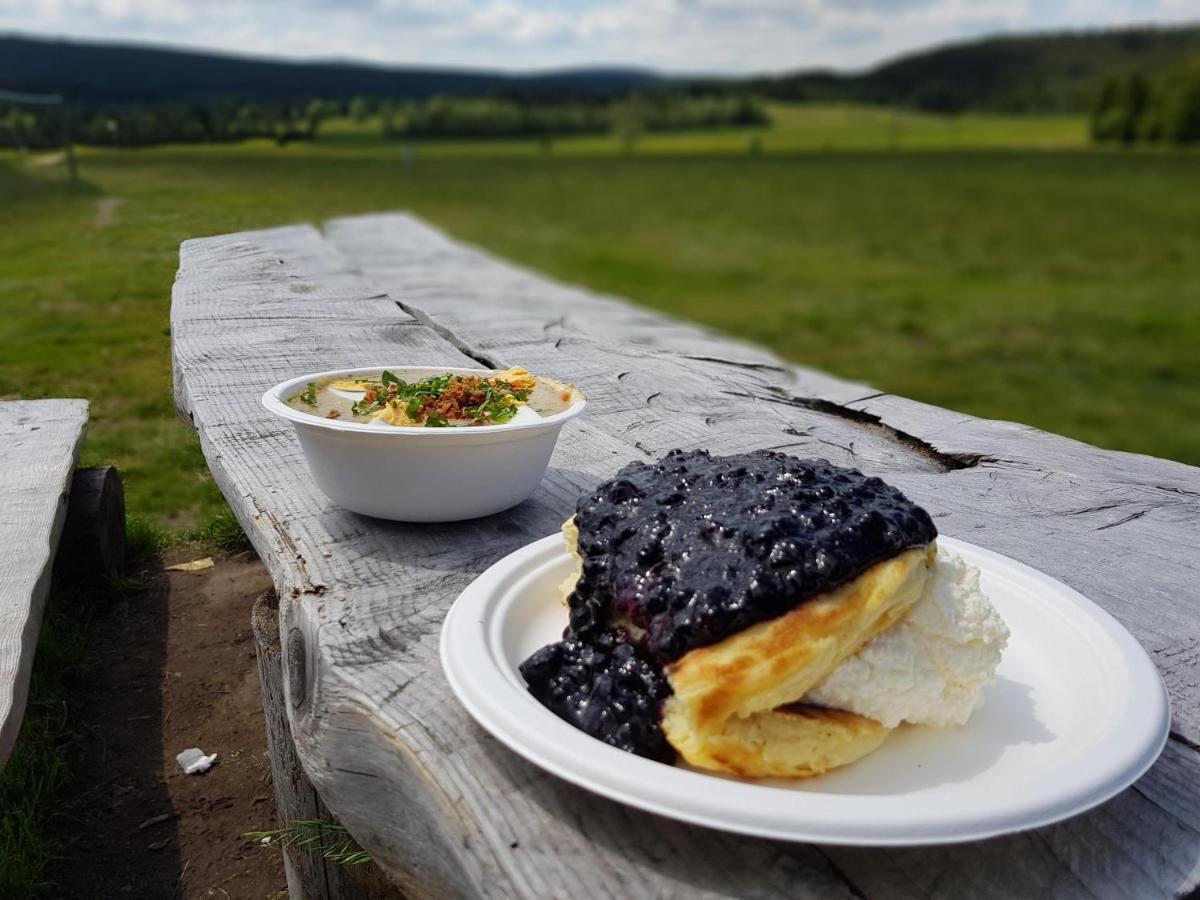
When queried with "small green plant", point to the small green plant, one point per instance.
{"points": [[144, 540], [329, 839], [222, 532]]}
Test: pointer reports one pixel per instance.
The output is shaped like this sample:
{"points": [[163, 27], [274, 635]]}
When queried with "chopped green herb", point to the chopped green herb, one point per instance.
{"points": [[437, 402]]}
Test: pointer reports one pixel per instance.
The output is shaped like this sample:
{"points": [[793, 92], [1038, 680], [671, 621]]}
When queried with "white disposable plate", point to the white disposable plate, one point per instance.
{"points": [[1076, 714]]}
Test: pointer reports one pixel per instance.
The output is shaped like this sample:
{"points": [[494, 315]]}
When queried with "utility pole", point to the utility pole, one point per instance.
{"points": [[64, 120]]}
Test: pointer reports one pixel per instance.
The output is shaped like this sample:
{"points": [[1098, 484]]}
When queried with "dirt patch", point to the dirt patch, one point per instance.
{"points": [[174, 668], [106, 211]]}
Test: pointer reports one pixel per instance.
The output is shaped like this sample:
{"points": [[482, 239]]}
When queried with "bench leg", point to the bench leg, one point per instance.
{"points": [[93, 539], [309, 876]]}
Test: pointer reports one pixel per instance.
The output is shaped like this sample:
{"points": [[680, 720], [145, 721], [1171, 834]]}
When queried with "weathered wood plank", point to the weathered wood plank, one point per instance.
{"points": [[380, 735], [40, 441], [959, 466], [1118, 527]]}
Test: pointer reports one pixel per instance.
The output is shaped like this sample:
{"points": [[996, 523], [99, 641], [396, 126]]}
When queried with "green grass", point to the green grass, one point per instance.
{"points": [[793, 129], [330, 839], [1056, 288], [36, 774], [35, 781]]}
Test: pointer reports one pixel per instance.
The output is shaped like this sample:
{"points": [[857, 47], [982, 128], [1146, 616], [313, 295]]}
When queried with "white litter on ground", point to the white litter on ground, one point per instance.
{"points": [[193, 761]]}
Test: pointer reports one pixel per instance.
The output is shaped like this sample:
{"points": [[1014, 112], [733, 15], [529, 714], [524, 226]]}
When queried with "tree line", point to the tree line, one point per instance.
{"points": [[1020, 74], [146, 124], [1134, 108]]}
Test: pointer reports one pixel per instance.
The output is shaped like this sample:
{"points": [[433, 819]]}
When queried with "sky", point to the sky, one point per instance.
{"points": [[727, 36]]}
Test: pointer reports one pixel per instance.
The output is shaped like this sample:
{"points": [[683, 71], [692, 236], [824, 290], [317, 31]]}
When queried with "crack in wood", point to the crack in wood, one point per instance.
{"points": [[853, 888], [1128, 518], [1091, 509], [1183, 739], [460, 345], [874, 396], [289, 544], [789, 446], [396, 691], [1176, 490], [947, 462], [355, 772], [737, 363]]}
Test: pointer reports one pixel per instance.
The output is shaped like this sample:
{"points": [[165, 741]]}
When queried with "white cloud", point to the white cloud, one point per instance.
{"points": [[680, 35]]}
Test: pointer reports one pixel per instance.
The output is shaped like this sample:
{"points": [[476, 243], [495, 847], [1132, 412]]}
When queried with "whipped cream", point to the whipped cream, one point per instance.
{"points": [[932, 667]]}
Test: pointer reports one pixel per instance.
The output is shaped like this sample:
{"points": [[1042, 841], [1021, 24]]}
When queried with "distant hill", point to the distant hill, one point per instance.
{"points": [[94, 73], [1031, 73]]}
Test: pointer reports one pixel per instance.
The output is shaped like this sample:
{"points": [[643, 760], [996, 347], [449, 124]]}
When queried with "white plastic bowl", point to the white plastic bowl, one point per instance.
{"points": [[420, 474]]}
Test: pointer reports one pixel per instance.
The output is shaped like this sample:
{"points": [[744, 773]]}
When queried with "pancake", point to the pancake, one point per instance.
{"points": [[720, 714], [730, 586], [794, 741]]}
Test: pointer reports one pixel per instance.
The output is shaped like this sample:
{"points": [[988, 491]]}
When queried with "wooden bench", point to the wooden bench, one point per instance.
{"points": [[446, 810], [40, 441]]}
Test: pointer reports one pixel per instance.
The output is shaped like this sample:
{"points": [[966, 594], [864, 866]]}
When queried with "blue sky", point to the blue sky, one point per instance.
{"points": [[674, 35]]}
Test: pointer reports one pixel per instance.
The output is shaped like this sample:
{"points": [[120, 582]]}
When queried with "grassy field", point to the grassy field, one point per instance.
{"points": [[1056, 288], [793, 129]]}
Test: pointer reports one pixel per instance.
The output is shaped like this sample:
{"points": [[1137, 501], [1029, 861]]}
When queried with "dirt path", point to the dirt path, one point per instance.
{"points": [[106, 211], [176, 669]]}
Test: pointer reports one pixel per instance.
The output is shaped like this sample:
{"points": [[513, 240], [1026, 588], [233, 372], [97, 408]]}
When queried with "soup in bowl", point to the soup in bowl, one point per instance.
{"points": [[427, 444]]}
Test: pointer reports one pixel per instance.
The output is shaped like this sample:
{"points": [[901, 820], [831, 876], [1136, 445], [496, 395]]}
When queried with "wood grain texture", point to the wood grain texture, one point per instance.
{"points": [[309, 875], [40, 441], [447, 810]]}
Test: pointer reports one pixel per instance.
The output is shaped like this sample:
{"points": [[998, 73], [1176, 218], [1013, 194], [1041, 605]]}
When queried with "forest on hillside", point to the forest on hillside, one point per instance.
{"points": [[1138, 84], [1045, 73], [220, 121], [1133, 108]]}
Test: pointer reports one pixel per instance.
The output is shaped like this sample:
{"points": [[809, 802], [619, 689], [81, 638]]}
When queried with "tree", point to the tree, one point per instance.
{"points": [[1130, 108], [17, 128], [1180, 105], [629, 121], [313, 114], [1119, 110], [360, 109]]}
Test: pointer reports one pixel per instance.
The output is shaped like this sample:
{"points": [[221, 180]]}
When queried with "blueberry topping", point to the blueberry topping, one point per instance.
{"points": [[692, 549], [745, 539], [604, 687]]}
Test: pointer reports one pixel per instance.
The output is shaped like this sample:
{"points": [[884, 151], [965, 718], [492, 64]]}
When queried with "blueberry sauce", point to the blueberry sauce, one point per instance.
{"points": [[693, 549], [605, 687]]}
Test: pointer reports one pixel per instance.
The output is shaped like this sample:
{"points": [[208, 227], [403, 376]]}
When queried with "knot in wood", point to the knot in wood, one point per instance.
{"points": [[296, 667]]}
